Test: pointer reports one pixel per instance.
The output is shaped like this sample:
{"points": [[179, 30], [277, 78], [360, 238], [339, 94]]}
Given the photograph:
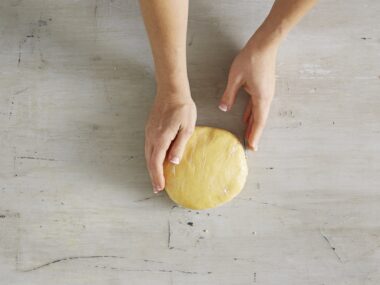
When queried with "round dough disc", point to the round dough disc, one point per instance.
{"points": [[212, 171]]}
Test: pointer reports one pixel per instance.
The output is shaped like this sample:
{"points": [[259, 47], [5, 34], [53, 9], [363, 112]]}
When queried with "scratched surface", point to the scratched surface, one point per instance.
{"points": [[76, 207]]}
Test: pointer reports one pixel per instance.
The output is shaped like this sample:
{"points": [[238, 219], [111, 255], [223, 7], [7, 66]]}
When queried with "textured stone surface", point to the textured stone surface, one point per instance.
{"points": [[76, 206]]}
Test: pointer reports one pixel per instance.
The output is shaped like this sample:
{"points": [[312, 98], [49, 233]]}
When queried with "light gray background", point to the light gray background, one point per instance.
{"points": [[76, 206]]}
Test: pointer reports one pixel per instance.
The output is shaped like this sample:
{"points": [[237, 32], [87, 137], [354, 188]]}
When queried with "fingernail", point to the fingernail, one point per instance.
{"points": [[255, 148], [156, 189], [175, 160], [223, 107]]}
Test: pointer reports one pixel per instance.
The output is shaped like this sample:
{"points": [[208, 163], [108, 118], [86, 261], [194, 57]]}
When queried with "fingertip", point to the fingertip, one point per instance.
{"points": [[223, 107], [157, 189], [253, 147], [175, 159]]}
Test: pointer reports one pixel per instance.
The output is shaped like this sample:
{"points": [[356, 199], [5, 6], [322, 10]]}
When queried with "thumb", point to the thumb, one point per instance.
{"points": [[229, 95], [178, 146]]}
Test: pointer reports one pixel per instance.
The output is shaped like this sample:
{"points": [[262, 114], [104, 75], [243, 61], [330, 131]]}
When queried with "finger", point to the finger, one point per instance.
{"points": [[178, 145], [229, 95], [259, 117], [155, 165], [247, 112]]}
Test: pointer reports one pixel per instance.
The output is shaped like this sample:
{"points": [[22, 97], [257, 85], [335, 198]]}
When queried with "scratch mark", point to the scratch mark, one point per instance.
{"points": [[14, 164], [20, 44], [37, 158], [153, 270], [170, 232], [147, 198], [21, 91], [154, 261], [250, 260], [19, 55], [72, 258], [169, 235], [330, 245]]}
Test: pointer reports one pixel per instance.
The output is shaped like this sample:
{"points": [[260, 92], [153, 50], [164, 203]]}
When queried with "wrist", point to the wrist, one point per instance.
{"points": [[174, 88], [173, 79], [267, 37]]}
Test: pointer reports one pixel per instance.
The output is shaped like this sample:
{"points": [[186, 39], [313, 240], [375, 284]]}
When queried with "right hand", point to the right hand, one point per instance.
{"points": [[170, 125]]}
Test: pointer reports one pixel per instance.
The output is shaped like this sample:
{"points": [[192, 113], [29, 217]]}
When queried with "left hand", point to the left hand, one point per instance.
{"points": [[254, 70]]}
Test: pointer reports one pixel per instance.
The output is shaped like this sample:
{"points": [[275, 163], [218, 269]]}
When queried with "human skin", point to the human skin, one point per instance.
{"points": [[173, 115]]}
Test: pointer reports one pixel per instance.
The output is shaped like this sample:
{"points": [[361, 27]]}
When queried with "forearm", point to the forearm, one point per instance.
{"points": [[284, 15], [166, 25]]}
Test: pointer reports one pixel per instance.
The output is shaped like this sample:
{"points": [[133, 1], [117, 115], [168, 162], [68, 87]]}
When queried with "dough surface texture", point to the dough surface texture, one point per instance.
{"points": [[213, 170]]}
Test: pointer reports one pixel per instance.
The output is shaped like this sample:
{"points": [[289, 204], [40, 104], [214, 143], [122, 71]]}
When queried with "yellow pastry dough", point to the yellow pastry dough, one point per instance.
{"points": [[213, 170]]}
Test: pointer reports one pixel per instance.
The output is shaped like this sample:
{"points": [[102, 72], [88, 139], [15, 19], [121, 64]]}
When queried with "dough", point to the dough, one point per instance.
{"points": [[212, 171]]}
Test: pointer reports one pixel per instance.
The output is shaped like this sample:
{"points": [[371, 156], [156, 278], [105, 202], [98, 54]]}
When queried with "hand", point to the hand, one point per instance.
{"points": [[170, 125], [254, 70]]}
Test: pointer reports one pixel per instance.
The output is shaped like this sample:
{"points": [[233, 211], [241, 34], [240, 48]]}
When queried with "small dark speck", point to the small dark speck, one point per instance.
{"points": [[190, 224], [50, 19], [270, 168], [42, 23], [208, 214], [62, 203], [2, 216], [197, 213], [333, 123], [95, 127], [365, 38], [209, 272], [30, 36]]}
